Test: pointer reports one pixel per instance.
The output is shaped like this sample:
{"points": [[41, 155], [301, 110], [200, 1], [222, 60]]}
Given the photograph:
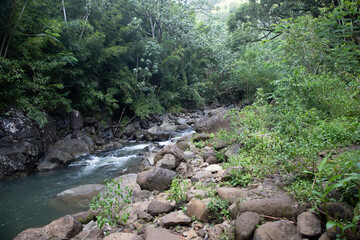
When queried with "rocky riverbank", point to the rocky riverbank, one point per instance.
{"points": [[194, 207]]}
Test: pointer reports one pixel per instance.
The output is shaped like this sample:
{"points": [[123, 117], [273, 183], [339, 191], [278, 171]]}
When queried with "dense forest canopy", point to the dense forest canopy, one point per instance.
{"points": [[153, 55]]}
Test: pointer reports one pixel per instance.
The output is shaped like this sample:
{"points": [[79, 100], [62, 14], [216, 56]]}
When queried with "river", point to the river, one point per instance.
{"points": [[29, 202]]}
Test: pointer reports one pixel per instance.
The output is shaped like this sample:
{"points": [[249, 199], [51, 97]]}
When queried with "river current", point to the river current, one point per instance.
{"points": [[29, 202]]}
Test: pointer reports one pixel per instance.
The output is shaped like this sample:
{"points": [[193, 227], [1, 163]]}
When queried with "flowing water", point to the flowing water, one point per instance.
{"points": [[29, 202]]}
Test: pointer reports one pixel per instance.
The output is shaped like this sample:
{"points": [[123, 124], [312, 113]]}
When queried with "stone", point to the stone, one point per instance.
{"points": [[213, 121], [156, 179], [190, 155], [246, 224], [200, 176], [308, 224], [198, 208], [168, 127], [111, 146], [123, 236], [129, 180], [192, 235], [230, 193], [183, 145], [213, 168], [280, 230], [220, 144], [168, 162], [66, 150], [142, 195], [185, 170], [160, 234], [208, 152], [63, 228], [324, 236], [211, 160], [232, 150], [221, 231], [181, 121], [76, 121], [173, 150], [201, 137], [339, 210], [155, 134], [275, 207], [175, 218], [156, 207], [86, 216], [82, 194], [91, 234]]}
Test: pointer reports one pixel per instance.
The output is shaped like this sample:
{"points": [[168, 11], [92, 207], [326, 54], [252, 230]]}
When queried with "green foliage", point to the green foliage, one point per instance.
{"points": [[112, 203], [239, 178], [178, 190], [219, 208]]}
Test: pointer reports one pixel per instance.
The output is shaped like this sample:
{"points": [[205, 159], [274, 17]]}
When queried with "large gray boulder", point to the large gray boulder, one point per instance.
{"points": [[155, 179], [279, 230], [173, 150], [246, 224], [308, 224], [64, 151], [213, 121], [82, 194]]}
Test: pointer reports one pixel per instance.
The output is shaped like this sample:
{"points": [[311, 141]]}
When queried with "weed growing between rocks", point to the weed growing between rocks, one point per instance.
{"points": [[112, 204], [178, 190]]}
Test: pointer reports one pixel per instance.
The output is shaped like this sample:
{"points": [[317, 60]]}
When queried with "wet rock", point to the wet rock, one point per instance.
{"points": [[66, 150], [221, 231], [123, 236], [82, 194], [198, 208], [168, 162], [168, 127], [111, 146], [246, 224], [175, 218], [275, 207], [156, 207], [231, 194], [277, 230], [160, 234], [155, 179], [201, 137], [173, 150], [213, 121], [155, 134], [308, 224]]}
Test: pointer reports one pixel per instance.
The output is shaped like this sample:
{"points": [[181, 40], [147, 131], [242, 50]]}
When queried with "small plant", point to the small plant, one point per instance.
{"points": [[178, 190], [112, 204], [219, 207], [220, 155], [200, 144], [240, 178]]}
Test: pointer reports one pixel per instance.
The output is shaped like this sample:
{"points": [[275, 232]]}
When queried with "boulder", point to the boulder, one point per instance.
{"points": [[211, 160], [66, 150], [63, 228], [76, 121], [183, 145], [82, 194], [275, 207], [308, 224], [200, 176], [168, 162], [213, 121], [156, 207], [339, 210], [160, 234], [123, 236], [155, 134], [214, 168], [175, 218], [155, 179], [230, 193], [201, 137], [185, 170], [224, 230], [220, 144], [246, 224], [85, 217], [277, 230], [173, 150], [168, 127], [91, 234], [198, 208], [111, 146]]}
